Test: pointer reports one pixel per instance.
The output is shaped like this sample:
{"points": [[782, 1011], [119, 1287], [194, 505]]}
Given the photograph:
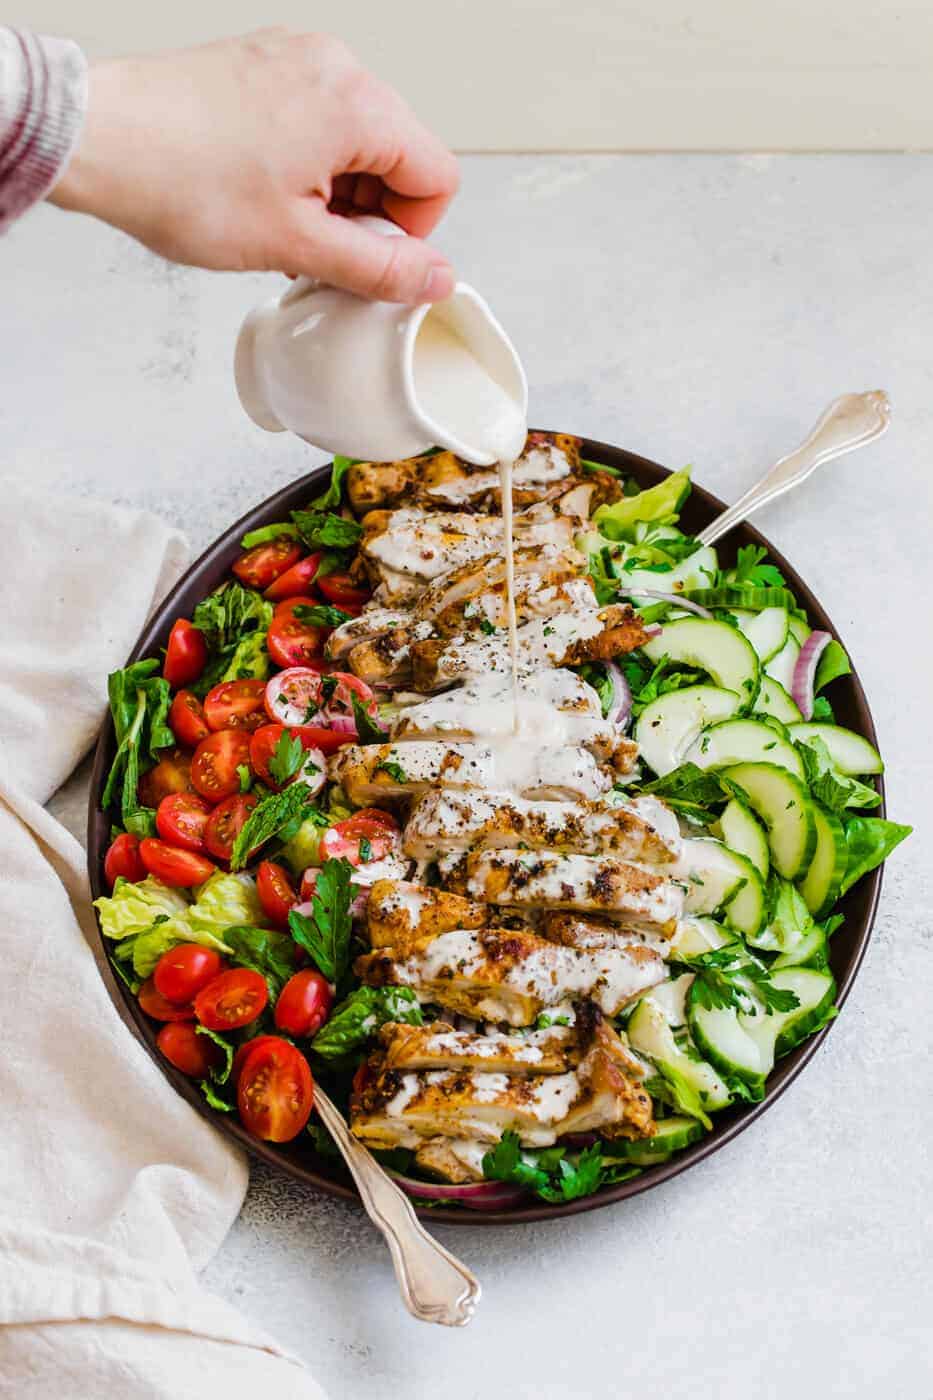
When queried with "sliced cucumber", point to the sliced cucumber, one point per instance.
{"points": [[693, 572], [746, 1044], [666, 728], [718, 878], [743, 832], [821, 884], [781, 667], [694, 1084], [850, 753], [697, 933], [785, 807], [767, 631], [672, 1134], [798, 629], [774, 700], [720, 650], [671, 996], [811, 951], [743, 741]]}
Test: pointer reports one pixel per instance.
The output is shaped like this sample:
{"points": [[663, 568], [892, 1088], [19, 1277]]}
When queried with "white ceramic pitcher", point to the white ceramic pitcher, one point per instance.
{"points": [[339, 370]]}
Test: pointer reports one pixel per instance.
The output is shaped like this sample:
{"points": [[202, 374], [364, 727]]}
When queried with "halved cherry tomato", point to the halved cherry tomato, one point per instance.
{"points": [[295, 581], [215, 762], [232, 999], [226, 822], [172, 773], [123, 858], [266, 740], [376, 814], [343, 591], [345, 839], [275, 1093], [159, 1007], [187, 719], [181, 972], [193, 1054], [173, 866], [304, 1003], [181, 819], [276, 891], [265, 563], [235, 705], [185, 654], [239, 1058], [291, 642], [294, 696]]}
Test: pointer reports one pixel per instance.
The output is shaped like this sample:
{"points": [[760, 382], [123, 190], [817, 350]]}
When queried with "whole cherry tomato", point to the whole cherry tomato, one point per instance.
{"points": [[123, 858], [189, 1052], [276, 891], [185, 655], [181, 972], [304, 1003]]}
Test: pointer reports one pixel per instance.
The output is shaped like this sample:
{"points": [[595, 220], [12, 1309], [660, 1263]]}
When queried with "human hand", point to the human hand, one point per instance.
{"points": [[248, 153]]}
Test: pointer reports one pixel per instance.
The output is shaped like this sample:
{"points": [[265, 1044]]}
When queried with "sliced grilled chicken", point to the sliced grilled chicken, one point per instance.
{"points": [[438, 1046], [402, 915], [513, 975], [585, 634], [368, 627], [601, 1094], [385, 662], [445, 821], [443, 601], [534, 598], [422, 546], [550, 880], [592, 931], [374, 773], [445, 480], [457, 1160]]}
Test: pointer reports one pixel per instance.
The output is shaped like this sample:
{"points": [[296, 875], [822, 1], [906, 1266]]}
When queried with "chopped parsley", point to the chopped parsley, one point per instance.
{"points": [[395, 770]]}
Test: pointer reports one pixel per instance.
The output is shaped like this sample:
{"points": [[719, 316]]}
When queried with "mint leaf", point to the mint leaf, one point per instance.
{"points": [[321, 614], [267, 533], [322, 529], [271, 815]]}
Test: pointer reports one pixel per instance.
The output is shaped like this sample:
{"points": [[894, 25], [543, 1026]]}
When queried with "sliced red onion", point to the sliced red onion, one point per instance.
{"points": [[675, 599], [801, 687], [475, 1195], [579, 1140], [346, 724], [620, 706], [653, 631]]}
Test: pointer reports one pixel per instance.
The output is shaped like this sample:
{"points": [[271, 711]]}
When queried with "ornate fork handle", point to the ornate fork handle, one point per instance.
{"points": [[850, 422], [435, 1286]]}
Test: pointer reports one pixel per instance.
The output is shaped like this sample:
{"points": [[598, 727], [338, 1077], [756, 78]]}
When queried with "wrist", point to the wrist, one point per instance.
{"points": [[82, 185]]}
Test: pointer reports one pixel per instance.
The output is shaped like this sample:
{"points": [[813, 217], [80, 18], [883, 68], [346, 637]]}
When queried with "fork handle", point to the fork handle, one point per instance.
{"points": [[435, 1286], [850, 422]]}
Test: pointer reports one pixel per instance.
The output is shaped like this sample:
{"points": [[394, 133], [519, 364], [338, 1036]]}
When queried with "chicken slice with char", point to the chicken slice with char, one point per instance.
{"points": [[374, 773], [603, 1093], [403, 915], [455, 590], [445, 821], [567, 639], [592, 931], [439, 1046], [551, 880], [512, 975]]}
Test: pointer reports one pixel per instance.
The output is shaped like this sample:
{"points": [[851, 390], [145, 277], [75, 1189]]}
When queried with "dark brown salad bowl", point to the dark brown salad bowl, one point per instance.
{"points": [[298, 1159]]}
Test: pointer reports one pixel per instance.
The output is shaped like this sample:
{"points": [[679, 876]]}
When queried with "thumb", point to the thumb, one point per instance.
{"points": [[338, 250]]}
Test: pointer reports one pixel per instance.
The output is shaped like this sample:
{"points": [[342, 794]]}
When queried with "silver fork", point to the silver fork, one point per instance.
{"points": [[435, 1286], [850, 422]]}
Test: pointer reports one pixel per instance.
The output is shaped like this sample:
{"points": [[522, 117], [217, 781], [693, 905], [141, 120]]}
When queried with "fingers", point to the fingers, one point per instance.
{"points": [[339, 251]]}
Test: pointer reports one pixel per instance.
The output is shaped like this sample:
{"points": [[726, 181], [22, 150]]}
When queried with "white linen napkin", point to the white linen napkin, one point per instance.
{"points": [[114, 1191]]}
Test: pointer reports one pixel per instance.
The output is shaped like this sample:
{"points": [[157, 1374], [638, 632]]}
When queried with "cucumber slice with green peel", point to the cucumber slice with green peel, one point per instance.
{"points": [[767, 631], [743, 832], [672, 1135], [666, 728], [782, 666], [693, 572], [717, 878], [743, 741], [798, 628], [671, 996], [697, 933], [821, 884], [715, 647], [774, 700], [738, 1042], [786, 808], [850, 753], [695, 1085], [811, 951]]}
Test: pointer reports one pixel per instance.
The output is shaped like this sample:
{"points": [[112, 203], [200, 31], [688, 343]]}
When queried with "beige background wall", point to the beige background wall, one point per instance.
{"points": [[523, 75]]}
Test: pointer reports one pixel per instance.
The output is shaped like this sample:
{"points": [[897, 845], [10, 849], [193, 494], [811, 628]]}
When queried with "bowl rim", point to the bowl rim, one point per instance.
{"points": [[861, 903]]}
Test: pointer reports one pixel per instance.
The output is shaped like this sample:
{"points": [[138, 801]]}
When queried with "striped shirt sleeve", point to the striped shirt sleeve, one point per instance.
{"points": [[43, 95]]}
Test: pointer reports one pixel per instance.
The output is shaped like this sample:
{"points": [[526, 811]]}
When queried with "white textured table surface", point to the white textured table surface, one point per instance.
{"points": [[693, 309]]}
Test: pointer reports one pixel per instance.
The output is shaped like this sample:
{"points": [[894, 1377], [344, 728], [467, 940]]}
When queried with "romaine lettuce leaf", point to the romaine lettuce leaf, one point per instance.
{"points": [[139, 702], [660, 504], [870, 841], [134, 908], [268, 951], [363, 1011], [224, 901]]}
